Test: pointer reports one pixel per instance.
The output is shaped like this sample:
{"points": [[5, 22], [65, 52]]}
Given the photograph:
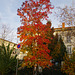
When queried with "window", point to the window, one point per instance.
{"points": [[69, 51], [11, 44], [59, 36], [14, 52], [68, 39]]}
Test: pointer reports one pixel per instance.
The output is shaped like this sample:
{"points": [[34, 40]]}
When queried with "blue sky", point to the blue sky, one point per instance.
{"points": [[8, 12]]}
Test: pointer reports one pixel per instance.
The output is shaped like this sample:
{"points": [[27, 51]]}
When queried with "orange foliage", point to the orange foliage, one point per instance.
{"points": [[33, 32]]}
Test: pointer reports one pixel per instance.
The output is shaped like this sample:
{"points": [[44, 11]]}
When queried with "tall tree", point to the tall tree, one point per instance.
{"points": [[58, 49], [32, 33], [7, 62]]}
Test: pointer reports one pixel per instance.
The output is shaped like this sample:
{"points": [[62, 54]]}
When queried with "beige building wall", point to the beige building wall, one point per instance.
{"points": [[16, 51], [68, 36], [6, 42]]}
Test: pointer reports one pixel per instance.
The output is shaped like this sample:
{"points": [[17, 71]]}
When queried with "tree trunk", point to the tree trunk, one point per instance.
{"points": [[2, 73], [35, 70]]}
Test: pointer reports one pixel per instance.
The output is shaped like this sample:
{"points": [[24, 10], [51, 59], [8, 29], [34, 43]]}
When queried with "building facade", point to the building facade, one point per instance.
{"points": [[68, 37], [16, 50], [6, 42]]}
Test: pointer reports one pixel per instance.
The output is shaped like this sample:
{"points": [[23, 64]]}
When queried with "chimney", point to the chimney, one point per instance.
{"points": [[63, 25]]}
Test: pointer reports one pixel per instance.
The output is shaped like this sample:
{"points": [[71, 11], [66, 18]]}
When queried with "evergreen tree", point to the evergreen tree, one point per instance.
{"points": [[57, 48], [7, 62], [56, 45], [57, 51]]}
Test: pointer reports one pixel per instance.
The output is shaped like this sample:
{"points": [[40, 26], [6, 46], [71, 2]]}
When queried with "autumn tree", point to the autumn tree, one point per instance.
{"points": [[69, 64], [32, 32]]}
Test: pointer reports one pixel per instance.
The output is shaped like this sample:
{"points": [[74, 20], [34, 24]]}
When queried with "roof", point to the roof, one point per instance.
{"points": [[8, 41], [65, 28]]}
